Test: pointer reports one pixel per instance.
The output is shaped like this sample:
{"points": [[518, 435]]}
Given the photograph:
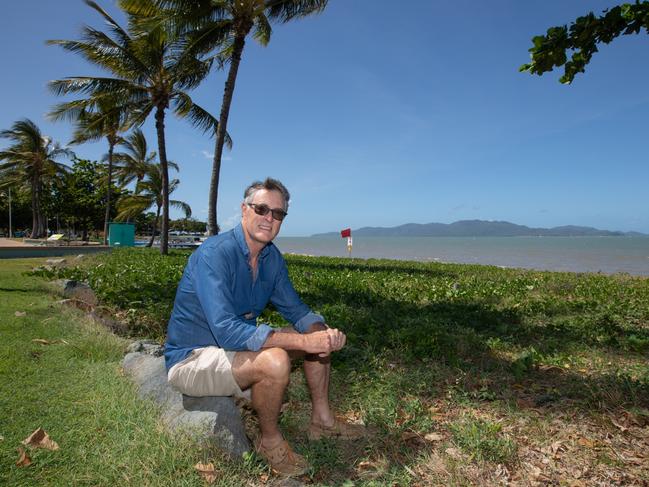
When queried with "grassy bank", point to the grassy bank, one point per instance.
{"points": [[74, 390], [465, 374]]}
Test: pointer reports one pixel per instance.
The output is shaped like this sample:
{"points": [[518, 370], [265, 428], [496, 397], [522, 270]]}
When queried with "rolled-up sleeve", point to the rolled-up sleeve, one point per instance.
{"points": [[303, 324], [289, 304], [216, 299]]}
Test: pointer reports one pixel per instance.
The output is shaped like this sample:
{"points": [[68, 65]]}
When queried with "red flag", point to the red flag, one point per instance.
{"points": [[347, 232]]}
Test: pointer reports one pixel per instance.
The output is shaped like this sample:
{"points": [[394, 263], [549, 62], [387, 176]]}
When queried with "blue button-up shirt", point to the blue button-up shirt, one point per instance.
{"points": [[218, 302]]}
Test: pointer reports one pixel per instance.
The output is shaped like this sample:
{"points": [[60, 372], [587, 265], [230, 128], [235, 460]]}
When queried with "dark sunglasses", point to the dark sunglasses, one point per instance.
{"points": [[262, 210]]}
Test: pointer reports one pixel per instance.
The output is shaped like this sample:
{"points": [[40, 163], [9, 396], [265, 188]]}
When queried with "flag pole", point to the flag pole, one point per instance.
{"points": [[347, 233]]}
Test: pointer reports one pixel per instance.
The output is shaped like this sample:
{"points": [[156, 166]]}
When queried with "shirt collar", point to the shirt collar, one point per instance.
{"points": [[241, 240]]}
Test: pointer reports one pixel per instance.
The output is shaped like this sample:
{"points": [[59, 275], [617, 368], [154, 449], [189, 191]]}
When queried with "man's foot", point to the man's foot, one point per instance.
{"points": [[340, 430], [283, 460]]}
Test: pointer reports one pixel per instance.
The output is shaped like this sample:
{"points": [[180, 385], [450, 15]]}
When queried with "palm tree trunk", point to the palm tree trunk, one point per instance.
{"points": [[237, 50], [37, 218], [155, 227], [162, 151], [111, 146]]}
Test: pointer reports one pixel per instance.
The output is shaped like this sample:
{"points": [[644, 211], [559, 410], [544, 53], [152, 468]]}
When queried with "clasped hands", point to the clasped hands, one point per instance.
{"points": [[324, 342]]}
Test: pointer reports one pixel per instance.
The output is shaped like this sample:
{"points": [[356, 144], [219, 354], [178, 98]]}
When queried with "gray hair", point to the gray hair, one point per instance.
{"points": [[269, 184]]}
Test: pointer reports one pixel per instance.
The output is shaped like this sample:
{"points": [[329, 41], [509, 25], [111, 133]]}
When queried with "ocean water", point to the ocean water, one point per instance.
{"points": [[608, 255]]}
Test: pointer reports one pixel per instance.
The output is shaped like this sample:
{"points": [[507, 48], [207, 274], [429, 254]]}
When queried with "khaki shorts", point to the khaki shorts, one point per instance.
{"points": [[206, 372]]}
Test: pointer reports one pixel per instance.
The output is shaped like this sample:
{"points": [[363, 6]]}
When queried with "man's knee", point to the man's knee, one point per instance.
{"points": [[275, 364]]}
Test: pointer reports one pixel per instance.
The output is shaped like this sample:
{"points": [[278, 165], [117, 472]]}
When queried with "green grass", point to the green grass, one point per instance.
{"points": [[502, 364], [73, 388], [483, 440]]}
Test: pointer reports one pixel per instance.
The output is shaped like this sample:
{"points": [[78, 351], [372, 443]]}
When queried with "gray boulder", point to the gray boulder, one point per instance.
{"points": [[213, 419], [149, 347], [80, 291]]}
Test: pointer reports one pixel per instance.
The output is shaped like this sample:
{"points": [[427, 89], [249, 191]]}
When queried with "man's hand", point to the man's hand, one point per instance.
{"points": [[324, 342]]}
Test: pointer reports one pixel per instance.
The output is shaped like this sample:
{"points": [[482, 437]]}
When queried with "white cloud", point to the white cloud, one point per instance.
{"points": [[231, 221], [210, 156]]}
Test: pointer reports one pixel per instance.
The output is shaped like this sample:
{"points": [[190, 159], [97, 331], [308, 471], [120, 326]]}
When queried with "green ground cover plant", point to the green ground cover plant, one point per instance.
{"points": [[465, 374]]}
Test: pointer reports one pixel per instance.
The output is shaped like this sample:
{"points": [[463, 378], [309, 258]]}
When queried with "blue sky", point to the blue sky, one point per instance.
{"points": [[378, 116]]}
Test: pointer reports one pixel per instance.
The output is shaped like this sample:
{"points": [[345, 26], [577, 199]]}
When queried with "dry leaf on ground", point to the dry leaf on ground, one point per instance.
{"points": [[372, 468], [586, 442], [365, 465], [621, 427], [206, 471], [40, 439], [409, 436], [453, 452], [555, 448], [352, 417], [42, 341], [24, 460], [550, 367], [525, 403], [532, 470], [433, 437], [20, 313]]}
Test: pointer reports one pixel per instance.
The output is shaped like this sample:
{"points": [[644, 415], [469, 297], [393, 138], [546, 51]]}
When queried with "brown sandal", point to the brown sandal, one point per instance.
{"points": [[283, 460], [340, 429]]}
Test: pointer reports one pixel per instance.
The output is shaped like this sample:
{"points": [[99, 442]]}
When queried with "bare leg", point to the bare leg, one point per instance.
{"points": [[317, 371], [267, 373]]}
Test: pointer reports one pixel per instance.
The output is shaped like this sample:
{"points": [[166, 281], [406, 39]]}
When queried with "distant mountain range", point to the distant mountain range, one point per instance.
{"points": [[481, 228]]}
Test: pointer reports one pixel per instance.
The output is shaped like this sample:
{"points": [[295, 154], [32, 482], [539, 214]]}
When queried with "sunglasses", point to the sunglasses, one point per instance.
{"points": [[262, 210]]}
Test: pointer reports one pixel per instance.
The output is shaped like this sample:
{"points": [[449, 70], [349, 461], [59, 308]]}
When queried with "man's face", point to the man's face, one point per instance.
{"points": [[260, 229]]}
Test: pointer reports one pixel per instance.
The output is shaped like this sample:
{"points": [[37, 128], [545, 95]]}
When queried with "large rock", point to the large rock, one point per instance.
{"points": [[80, 291], [214, 419]]}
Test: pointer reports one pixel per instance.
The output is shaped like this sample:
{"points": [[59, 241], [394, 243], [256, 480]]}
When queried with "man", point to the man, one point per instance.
{"points": [[214, 346]]}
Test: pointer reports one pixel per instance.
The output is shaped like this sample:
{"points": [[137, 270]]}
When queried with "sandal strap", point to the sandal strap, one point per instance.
{"points": [[339, 428], [282, 459], [276, 454]]}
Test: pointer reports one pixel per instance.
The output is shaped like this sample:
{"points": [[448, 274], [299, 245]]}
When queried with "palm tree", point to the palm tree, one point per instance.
{"points": [[133, 163], [106, 120], [224, 25], [32, 160], [148, 193], [150, 67]]}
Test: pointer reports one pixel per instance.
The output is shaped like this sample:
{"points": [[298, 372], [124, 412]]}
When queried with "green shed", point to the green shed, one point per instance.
{"points": [[121, 234]]}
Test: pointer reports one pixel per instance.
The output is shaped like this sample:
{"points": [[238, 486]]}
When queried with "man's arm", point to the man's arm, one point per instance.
{"points": [[319, 342]]}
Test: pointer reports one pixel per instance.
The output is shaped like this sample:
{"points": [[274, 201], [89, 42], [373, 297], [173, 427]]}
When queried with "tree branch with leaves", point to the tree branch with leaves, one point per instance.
{"points": [[580, 40]]}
